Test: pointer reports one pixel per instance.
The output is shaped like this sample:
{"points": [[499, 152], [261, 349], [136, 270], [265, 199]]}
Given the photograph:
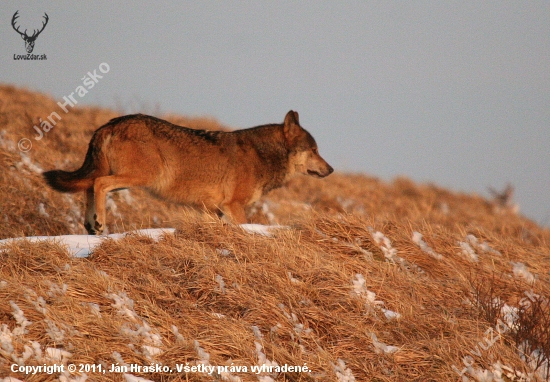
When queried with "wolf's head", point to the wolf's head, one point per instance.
{"points": [[304, 156]]}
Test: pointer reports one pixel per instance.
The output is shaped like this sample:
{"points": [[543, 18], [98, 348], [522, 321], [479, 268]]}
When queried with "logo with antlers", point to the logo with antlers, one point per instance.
{"points": [[29, 40]]}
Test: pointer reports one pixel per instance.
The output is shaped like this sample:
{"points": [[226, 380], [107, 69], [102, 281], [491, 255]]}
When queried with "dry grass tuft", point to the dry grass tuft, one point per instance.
{"points": [[320, 293]]}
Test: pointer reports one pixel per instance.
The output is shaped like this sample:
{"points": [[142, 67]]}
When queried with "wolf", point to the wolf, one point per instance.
{"points": [[220, 171]]}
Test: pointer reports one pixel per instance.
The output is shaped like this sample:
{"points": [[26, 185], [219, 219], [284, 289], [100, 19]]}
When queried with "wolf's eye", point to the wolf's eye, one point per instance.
{"points": [[315, 151]]}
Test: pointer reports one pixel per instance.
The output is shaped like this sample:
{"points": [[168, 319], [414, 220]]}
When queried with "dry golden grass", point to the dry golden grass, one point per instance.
{"points": [[296, 287]]}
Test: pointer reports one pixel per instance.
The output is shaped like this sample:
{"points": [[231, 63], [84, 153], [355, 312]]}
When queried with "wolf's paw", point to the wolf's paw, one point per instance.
{"points": [[97, 229]]}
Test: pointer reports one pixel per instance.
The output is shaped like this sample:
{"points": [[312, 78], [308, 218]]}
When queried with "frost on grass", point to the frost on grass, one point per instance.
{"points": [[520, 271], [343, 373], [417, 239], [360, 290]]}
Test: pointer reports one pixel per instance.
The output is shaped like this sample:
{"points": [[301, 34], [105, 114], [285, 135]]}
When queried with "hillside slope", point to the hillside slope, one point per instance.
{"points": [[370, 281]]}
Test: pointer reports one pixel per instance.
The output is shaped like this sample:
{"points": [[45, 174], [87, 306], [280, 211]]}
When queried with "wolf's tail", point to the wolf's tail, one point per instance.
{"points": [[83, 178]]}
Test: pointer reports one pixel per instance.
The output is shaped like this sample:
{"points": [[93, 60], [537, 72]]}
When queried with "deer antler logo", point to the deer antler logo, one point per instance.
{"points": [[29, 40]]}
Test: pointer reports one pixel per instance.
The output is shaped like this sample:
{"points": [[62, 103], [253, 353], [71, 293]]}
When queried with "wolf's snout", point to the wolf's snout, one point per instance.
{"points": [[321, 173]]}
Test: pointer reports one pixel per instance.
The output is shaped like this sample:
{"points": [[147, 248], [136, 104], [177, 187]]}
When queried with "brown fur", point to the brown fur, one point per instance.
{"points": [[220, 171]]}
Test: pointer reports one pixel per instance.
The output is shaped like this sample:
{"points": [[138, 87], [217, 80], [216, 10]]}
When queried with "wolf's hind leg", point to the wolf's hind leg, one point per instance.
{"points": [[102, 186], [89, 220]]}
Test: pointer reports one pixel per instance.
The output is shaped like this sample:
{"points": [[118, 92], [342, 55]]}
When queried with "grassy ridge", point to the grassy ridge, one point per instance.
{"points": [[318, 293]]}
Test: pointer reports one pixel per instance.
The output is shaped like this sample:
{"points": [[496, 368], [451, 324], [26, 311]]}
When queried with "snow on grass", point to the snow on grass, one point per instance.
{"points": [[384, 243], [221, 284], [360, 290], [292, 279], [83, 245], [20, 320], [133, 378], [417, 239], [382, 348], [27, 162], [42, 210], [390, 253], [151, 341], [265, 230], [263, 362], [520, 271], [57, 355], [179, 338], [118, 359], [537, 358], [468, 252], [472, 242], [343, 373]]}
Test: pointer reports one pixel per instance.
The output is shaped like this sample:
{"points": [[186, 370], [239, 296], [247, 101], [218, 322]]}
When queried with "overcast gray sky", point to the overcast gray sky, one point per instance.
{"points": [[451, 92]]}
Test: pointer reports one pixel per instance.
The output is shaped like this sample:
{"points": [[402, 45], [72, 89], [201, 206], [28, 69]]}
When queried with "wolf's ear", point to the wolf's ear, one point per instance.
{"points": [[292, 125]]}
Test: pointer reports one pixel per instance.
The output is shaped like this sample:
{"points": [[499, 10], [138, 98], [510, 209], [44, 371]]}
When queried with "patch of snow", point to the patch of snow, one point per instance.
{"points": [[292, 279], [83, 245], [468, 252], [133, 378], [150, 351], [257, 333], [20, 319], [126, 196], [6, 143], [390, 314], [536, 357], [95, 309], [221, 284], [57, 290], [382, 348], [263, 360], [417, 239], [56, 334], [520, 271], [483, 247], [118, 359], [110, 205], [265, 230], [42, 210], [384, 243], [223, 252], [57, 355], [360, 290], [343, 373], [26, 160], [179, 337]]}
